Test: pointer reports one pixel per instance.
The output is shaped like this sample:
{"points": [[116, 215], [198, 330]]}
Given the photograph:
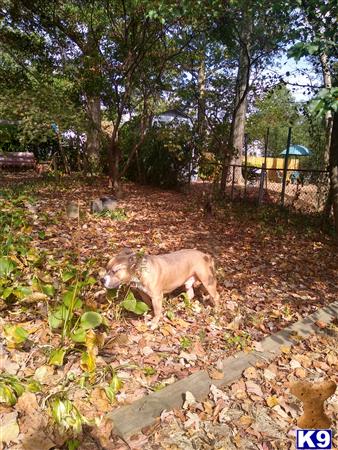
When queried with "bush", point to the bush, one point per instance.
{"points": [[165, 156]]}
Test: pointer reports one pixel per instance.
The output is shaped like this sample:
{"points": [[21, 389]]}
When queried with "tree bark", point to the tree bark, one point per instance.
{"points": [[114, 156], [93, 108], [333, 167], [234, 149], [328, 116], [201, 123]]}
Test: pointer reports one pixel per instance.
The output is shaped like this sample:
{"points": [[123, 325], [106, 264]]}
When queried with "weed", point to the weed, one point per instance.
{"points": [[11, 388], [239, 341], [149, 371], [66, 415], [116, 214], [185, 342]]}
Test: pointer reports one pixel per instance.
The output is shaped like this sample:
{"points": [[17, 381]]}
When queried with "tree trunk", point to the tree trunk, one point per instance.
{"points": [[328, 116], [197, 149], [114, 156], [237, 130], [201, 125], [94, 132], [333, 167]]}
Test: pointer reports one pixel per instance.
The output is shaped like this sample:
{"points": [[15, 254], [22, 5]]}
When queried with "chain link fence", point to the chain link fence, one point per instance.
{"points": [[302, 189]]}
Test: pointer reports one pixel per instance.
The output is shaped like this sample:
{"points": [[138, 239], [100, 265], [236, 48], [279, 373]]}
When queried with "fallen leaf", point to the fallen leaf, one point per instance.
{"points": [[300, 373], [294, 364], [253, 388], [37, 441], [258, 346], [193, 421], [250, 373], [280, 412], [237, 440], [321, 324], [269, 375], [9, 428], [218, 394], [246, 421], [285, 349], [236, 323], [216, 375], [198, 349], [208, 407], [43, 374], [189, 400], [272, 401]]}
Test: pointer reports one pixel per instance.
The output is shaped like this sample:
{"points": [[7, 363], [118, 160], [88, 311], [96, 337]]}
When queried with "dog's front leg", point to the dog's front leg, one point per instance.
{"points": [[156, 300], [189, 287]]}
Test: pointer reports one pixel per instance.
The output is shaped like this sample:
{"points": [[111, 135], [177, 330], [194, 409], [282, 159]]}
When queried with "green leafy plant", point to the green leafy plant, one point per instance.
{"points": [[131, 304], [7, 266], [67, 315], [114, 386], [186, 299], [66, 415], [239, 341], [116, 214], [57, 356], [185, 342], [73, 444], [15, 335], [149, 371], [11, 388], [170, 314]]}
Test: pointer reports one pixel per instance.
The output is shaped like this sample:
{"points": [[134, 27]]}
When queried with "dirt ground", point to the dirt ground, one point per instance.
{"points": [[271, 271]]}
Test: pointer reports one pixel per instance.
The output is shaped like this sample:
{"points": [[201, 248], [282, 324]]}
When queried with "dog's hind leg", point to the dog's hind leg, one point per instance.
{"points": [[189, 287]]}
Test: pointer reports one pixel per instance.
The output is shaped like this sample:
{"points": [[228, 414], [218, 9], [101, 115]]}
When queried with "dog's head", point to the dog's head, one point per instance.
{"points": [[120, 269]]}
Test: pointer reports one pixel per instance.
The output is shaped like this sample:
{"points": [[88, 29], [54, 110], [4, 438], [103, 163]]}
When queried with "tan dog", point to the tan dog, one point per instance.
{"points": [[161, 274]]}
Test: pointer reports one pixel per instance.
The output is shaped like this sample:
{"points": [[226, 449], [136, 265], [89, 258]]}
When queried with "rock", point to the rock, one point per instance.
{"points": [[103, 204], [73, 210], [96, 206], [109, 203]]}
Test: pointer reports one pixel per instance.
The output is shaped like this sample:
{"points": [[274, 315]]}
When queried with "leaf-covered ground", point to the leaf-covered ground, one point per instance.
{"points": [[257, 411], [272, 269]]}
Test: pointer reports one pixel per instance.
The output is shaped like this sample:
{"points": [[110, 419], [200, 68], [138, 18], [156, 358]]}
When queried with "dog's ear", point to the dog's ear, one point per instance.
{"points": [[130, 254], [127, 251], [110, 264]]}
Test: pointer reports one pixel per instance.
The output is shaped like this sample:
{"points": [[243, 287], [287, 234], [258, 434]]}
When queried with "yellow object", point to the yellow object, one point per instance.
{"points": [[274, 163]]}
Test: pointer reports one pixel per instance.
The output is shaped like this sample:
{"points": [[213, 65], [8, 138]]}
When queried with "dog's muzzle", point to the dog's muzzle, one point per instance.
{"points": [[109, 283]]}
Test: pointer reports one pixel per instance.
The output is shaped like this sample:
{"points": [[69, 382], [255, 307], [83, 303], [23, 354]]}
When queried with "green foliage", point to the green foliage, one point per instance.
{"points": [[57, 356], [117, 214], [277, 111], [325, 100], [11, 388], [73, 444], [114, 386], [7, 266], [131, 304], [66, 315], [185, 342], [239, 341], [15, 335], [164, 156], [66, 415], [149, 371], [90, 319]]}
